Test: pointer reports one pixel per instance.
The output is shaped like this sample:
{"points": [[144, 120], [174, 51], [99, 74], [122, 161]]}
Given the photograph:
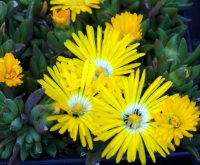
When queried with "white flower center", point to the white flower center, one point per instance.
{"points": [[135, 118], [79, 105], [102, 66]]}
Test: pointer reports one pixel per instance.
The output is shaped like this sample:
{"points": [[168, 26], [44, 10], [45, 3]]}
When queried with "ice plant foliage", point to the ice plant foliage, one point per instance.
{"points": [[11, 71], [61, 18], [112, 54], [127, 23], [126, 118], [178, 116], [74, 97], [75, 6]]}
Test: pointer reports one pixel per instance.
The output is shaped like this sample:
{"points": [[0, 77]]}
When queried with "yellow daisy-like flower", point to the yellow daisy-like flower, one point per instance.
{"points": [[111, 54], [76, 6], [10, 72], [61, 18], [126, 118], [127, 23], [177, 117], [74, 97]]}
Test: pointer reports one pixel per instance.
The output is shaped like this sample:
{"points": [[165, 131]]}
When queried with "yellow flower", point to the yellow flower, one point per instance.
{"points": [[74, 97], [177, 117], [111, 54], [125, 118], [61, 18], [127, 23], [76, 6], [10, 72]]}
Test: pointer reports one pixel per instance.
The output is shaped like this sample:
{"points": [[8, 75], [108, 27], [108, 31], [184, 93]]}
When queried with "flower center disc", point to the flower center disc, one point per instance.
{"points": [[10, 75], [79, 105], [135, 118], [175, 121], [102, 66]]}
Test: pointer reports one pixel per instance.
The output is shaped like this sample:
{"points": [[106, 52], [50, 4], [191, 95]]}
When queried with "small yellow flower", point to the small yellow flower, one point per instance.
{"points": [[127, 23], [177, 117], [76, 6], [61, 18], [10, 72]]}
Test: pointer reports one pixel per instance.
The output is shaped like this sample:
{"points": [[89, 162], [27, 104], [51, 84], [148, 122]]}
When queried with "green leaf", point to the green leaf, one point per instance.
{"points": [[182, 50], [94, 156], [193, 57], [145, 48], [158, 48], [12, 106], [180, 30], [59, 144], [23, 153], [150, 75], [162, 65], [7, 151], [171, 48], [3, 9], [33, 67], [16, 124], [171, 11], [40, 60], [51, 149], [24, 32], [8, 117], [38, 148], [33, 99], [34, 8], [145, 26], [20, 139], [162, 35], [180, 76], [20, 103], [29, 139], [36, 136], [193, 150], [164, 21], [2, 96], [31, 84], [7, 140], [195, 72], [36, 112], [185, 87], [6, 47], [53, 42]]}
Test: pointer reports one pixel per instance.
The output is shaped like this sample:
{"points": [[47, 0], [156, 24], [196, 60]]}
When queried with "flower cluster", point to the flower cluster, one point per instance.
{"points": [[96, 75], [103, 97], [75, 6]]}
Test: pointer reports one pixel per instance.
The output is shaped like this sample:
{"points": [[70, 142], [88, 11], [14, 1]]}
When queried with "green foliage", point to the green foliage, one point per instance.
{"points": [[24, 125]]}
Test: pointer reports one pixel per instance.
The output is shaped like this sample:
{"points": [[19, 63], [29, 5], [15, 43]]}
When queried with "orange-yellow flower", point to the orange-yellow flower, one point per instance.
{"points": [[10, 72], [127, 23], [61, 18], [178, 116]]}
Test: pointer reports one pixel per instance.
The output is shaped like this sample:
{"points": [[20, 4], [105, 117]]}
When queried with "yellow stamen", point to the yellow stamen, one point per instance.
{"points": [[78, 108], [175, 121], [135, 119], [100, 70], [10, 75]]}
